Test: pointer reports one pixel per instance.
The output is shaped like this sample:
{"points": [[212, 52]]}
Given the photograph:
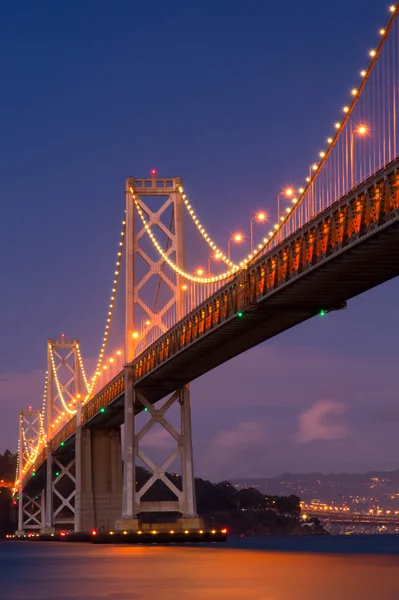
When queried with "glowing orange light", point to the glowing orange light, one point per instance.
{"points": [[289, 192], [237, 237], [111, 360], [261, 216], [362, 130], [119, 352], [135, 335], [148, 322], [200, 272], [184, 287]]}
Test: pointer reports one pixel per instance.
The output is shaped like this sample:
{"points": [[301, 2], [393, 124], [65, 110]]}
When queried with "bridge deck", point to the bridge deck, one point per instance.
{"points": [[351, 247]]}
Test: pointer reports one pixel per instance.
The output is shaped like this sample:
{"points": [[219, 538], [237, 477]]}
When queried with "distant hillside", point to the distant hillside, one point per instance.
{"points": [[359, 490]]}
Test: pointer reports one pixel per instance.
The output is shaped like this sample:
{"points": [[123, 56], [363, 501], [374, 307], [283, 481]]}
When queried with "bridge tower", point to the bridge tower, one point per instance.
{"points": [[30, 504], [160, 201], [65, 379]]}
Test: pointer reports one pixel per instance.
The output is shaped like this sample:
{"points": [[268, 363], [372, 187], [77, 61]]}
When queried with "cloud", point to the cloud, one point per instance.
{"points": [[324, 421], [246, 433], [235, 450]]}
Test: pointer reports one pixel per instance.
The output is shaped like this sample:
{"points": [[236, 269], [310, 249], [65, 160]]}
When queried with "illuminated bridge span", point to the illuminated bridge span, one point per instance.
{"points": [[339, 238], [347, 517]]}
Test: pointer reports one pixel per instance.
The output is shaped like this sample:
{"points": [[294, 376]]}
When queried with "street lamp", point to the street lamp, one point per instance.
{"points": [[119, 359], [237, 238], [360, 131], [112, 366], [288, 193], [215, 256], [261, 217]]}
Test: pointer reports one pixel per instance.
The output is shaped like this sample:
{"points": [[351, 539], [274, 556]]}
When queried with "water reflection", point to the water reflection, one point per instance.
{"points": [[72, 571]]}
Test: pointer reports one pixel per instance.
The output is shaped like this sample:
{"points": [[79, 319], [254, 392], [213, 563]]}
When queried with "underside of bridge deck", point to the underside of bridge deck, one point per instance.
{"points": [[370, 262]]}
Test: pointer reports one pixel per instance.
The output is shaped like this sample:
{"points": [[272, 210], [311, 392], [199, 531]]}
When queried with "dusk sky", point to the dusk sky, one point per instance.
{"points": [[237, 98]]}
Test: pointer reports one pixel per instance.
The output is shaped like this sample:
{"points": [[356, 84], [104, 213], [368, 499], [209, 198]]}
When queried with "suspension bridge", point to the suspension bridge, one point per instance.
{"points": [[337, 237]]}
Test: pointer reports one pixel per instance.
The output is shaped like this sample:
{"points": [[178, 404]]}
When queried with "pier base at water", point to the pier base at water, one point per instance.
{"points": [[127, 525], [181, 525]]}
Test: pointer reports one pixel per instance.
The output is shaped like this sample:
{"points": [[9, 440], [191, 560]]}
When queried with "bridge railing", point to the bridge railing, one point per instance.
{"points": [[336, 226], [107, 395]]}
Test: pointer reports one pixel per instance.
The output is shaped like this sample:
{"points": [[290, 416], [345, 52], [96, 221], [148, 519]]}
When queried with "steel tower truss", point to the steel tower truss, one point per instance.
{"points": [[132, 502], [64, 389], [166, 190], [30, 508]]}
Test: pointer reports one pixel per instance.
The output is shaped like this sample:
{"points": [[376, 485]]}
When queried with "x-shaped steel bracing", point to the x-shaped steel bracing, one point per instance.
{"points": [[158, 472], [31, 512], [66, 501]]}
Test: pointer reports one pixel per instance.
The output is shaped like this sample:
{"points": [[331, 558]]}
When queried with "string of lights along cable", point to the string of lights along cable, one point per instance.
{"points": [[361, 141]]}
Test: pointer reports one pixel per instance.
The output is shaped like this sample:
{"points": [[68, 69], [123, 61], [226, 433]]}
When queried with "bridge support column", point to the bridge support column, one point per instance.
{"points": [[98, 478], [48, 509], [20, 512], [189, 504], [133, 502], [30, 512], [129, 519]]}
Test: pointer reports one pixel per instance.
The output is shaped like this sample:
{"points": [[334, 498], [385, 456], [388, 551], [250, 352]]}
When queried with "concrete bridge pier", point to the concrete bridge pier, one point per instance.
{"points": [[98, 499]]}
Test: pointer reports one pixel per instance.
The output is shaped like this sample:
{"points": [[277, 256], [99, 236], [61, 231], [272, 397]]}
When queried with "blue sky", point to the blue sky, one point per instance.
{"points": [[237, 99]]}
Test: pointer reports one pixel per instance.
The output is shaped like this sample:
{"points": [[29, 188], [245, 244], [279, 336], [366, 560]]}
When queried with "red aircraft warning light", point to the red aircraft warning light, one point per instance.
{"points": [[153, 172]]}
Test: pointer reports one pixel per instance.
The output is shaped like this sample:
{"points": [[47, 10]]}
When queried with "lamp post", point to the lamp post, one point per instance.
{"points": [[311, 203], [360, 131], [215, 256], [261, 217], [119, 360], [237, 238], [287, 193], [112, 367]]}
